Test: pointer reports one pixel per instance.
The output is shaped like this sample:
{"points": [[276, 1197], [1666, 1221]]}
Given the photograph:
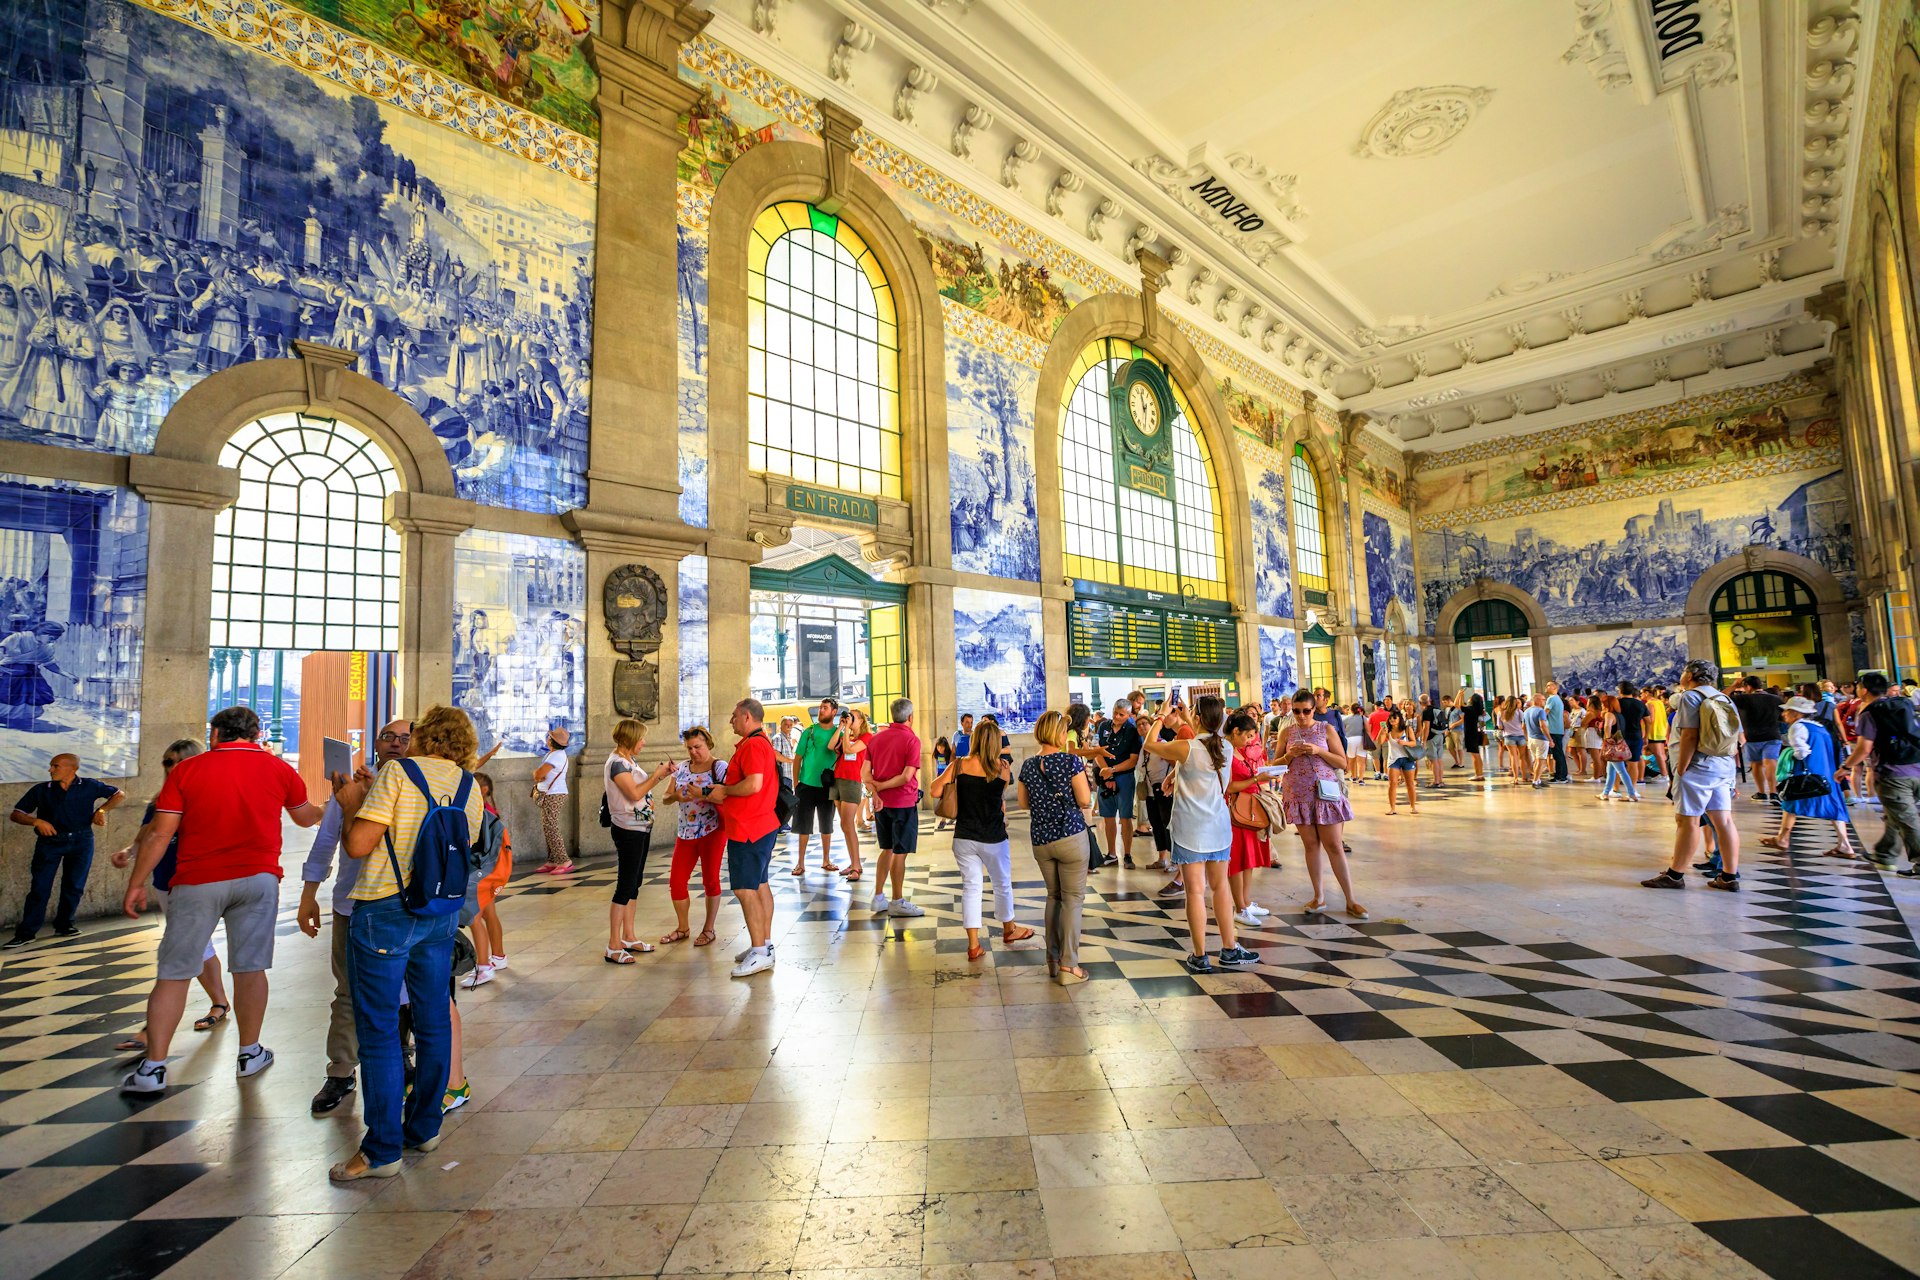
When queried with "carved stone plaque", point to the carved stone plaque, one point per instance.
{"points": [[636, 689]]}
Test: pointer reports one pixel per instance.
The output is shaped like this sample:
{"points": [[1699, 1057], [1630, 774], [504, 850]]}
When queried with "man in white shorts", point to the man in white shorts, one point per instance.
{"points": [[225, 805], [1707, 733]]}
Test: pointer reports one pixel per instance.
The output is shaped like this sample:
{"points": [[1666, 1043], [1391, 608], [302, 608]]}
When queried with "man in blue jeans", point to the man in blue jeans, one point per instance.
{"points": [[62, 814], [1116, 781], [388, 946]]}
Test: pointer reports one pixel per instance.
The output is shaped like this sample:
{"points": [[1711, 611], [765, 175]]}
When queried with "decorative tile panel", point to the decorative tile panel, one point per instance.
{"points": [[519, 657]]}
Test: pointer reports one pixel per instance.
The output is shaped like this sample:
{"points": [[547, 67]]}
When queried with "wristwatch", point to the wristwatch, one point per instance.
{"points": [[706, 791]]}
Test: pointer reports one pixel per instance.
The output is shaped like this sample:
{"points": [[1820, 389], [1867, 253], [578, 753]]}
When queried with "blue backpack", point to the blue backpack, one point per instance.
{"points": [[443, 851]]}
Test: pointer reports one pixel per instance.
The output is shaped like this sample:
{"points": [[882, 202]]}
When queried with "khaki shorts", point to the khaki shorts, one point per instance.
{"points": [[249, 905]]}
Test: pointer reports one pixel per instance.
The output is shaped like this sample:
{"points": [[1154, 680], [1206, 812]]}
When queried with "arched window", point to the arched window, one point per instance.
{"points": [[1897, 327], [823, 358], [304, 559], [1122, 535], [1309, 525]]}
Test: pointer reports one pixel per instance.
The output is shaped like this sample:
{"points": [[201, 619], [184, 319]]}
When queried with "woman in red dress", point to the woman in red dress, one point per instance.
{"points": [[1250, 850]]}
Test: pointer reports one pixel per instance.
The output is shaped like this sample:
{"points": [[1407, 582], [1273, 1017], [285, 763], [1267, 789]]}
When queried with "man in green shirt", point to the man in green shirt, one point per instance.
{"points": [[813, 786]]}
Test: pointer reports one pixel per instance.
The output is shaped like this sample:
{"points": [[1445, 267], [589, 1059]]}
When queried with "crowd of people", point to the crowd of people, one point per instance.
{"points": [[422, 851]]}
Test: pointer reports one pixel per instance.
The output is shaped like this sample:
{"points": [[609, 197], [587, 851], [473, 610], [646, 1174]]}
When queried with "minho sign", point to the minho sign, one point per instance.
{"points": [[1220, 197]]}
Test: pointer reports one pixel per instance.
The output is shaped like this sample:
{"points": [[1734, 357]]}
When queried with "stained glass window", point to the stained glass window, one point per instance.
{"points": [[1120, 536], [304, 558], [823, 358], [1309, 524]]}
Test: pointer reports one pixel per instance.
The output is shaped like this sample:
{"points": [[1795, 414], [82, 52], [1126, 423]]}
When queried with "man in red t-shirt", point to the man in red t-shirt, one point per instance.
{"points": [[1376, 729], [225, 806], [746, 803], [893, 774]]}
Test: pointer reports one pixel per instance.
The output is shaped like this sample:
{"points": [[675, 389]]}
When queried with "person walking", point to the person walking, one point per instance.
{"points": [[1353, 731], [1810, 744], [219, 1008], [749, 813], [943, 758], [343, 1054], [1760, 724], [391, 948], [628, 797], [1708, 729], [1886, 729], [1403, 762], [1616, 754], [1203, 830], [1160, 793], [891, 771], [226, 806], [981, 848], [1311, 797], [550, 796], [813, 761], [1053, 788], [699, 839], [1631, 719], [1473, 734], [1537, 722], [63, 811]]}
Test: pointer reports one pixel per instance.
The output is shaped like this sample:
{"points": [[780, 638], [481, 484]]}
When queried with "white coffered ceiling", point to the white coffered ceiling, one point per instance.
{"points": [[1458, 217]]}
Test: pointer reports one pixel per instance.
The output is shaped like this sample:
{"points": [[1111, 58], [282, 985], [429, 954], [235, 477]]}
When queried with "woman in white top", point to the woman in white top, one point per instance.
{"points": [[1203, 829], [1576, 745], [550, 797], [629, 801]]}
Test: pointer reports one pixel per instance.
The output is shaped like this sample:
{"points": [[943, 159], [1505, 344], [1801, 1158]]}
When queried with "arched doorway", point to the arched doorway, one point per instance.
{"points": [[304, 619], [1496, 651], [1767, 623]]}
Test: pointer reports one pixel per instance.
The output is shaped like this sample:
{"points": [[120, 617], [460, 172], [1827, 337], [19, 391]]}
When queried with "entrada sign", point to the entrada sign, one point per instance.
{"points": [[1220, 197], [834, 506]]}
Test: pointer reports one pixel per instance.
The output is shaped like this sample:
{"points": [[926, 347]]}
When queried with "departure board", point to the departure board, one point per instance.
{"points": [[1195, 642], [1114, 636]]}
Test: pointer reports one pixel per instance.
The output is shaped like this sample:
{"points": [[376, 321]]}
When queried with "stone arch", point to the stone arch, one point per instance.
{"points": [[766, 175], [1898, 293], [1829, 594], [319, 381], [1119, 315], [1538, 628], [1906, 154]]}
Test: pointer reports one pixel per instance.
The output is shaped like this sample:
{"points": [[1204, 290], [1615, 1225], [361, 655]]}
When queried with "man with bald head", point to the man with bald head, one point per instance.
{"points": [[62, 812], [343, 1045], [550, 796]]}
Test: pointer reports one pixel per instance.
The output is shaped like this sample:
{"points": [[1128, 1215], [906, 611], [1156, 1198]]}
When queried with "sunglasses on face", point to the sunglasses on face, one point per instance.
{"points": [[1303, 711]]}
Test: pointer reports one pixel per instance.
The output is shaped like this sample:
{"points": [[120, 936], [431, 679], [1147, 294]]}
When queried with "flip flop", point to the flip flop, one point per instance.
{"points": [[1018, 933], [130, 1044], [212, 1019]]}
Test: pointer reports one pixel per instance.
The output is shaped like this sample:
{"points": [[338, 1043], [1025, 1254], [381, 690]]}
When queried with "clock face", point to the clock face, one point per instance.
{"points": [[1145, 407]]}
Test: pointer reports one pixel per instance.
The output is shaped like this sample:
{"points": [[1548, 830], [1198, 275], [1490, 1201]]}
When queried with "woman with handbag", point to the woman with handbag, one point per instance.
{"points": [[1053, 790], [1251, 849], [1618, 755], [1203, 830], [1314, 801], [1810, 790], [971, 795]]}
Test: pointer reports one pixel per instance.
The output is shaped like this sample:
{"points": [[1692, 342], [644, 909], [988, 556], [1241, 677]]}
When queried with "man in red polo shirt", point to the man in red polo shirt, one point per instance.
{"points": [[893, 774], [746, 802], [225, 806]]}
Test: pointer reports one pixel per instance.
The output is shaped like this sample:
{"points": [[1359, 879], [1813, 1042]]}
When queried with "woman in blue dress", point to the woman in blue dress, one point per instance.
{"points": [[1811, 747]]}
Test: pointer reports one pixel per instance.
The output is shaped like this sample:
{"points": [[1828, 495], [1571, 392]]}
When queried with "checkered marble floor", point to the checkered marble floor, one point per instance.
{"points": [[1521, 1065]]}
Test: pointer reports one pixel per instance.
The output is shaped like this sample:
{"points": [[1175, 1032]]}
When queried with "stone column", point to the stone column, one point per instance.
{"points": [[428, 526], [220, 173], [113, 112], [930, 652], [729, 655]]}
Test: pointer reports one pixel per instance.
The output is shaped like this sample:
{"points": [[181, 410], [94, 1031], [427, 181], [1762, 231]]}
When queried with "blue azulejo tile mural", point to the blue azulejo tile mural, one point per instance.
{"points": [[999, 665], [693, 635], [1602, 659], [1279, 663], [990, 462], [1389, 553], [518, 646], [1272, 565], [73, 590], [691, 253], [216, 205]]}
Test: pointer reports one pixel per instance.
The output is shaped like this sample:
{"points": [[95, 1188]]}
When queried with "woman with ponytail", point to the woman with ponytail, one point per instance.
{"points": [[1203, 829]]}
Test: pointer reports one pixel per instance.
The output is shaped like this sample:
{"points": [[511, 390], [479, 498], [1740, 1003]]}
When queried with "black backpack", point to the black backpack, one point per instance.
{"points": [[1896, 735], [783, 799]]}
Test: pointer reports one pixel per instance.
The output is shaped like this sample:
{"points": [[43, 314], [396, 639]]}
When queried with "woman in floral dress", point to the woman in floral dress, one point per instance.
{"points": [[1313, 756]]}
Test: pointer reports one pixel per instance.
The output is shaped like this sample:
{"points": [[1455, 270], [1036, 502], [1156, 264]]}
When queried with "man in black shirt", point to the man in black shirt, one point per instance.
{"points": [[62, 814], [1633, 728], [1115, 778], [1760, 725]]}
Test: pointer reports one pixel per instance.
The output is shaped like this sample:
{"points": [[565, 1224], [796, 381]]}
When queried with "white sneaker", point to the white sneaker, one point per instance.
{"points": [[879, 903], [499, 962], [252, 1064], [1246, 918], [904, 907], [752, 963], [480, 977], [744, 952], [1258, 910], [146, 1079]]}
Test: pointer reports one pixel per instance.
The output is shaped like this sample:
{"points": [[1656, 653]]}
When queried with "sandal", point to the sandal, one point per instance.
{"points": [[799, 870], [1847, 855], [1071, 977], [678, 935], [853, 874], [130, 1044], [619, 957], [1015, 933], [1772, 842], [704, 939], [212, 1019], [639, 948], [976, 954]]}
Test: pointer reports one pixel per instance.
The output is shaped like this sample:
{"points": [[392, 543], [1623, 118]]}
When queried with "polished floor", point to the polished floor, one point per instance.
{"points": [[1522, 1066]]}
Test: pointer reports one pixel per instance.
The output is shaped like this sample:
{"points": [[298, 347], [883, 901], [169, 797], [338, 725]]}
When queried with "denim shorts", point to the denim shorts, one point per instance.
{"points": [[1407, 764], [1758, 751], [1183, 855], [749, 860], [1118, 803]]}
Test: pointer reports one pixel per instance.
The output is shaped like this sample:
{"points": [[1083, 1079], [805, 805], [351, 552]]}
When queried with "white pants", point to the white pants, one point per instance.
{"points": [[996, 860]]}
